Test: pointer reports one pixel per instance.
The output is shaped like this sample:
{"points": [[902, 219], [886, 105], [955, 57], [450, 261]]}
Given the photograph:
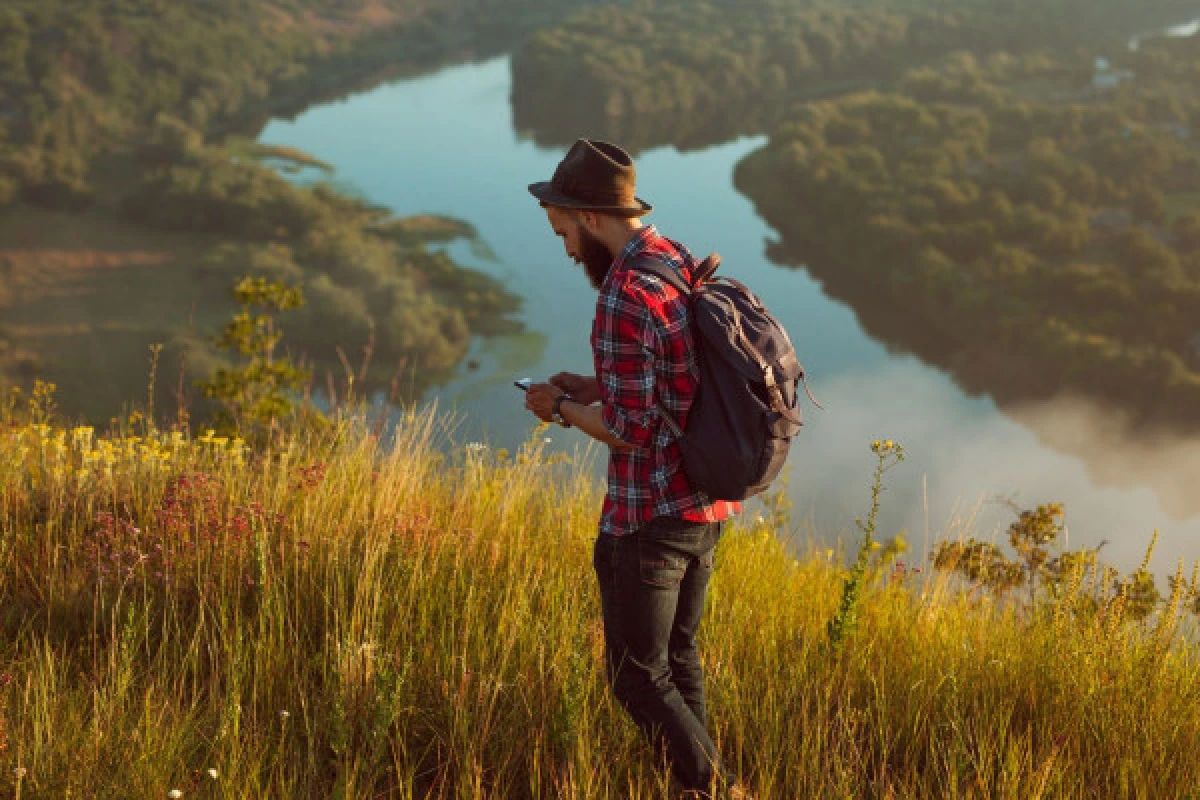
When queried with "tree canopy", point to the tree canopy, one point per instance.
{"points": [[1031, 216], [651, 72]]}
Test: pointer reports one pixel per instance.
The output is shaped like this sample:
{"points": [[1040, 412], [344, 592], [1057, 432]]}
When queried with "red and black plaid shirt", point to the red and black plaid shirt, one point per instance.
{"points": [[645, 356]]}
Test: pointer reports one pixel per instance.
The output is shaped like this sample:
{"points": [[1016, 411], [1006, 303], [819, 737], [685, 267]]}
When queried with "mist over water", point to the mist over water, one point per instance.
{"points": [[968, 463], [446, 144]]}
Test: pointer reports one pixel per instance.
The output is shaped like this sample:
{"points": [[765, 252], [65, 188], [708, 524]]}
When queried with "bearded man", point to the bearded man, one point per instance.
{"points": [[653, 556]]}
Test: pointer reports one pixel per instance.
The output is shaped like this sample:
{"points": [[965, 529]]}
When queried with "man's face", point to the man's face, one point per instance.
{"points": [[581, 245]]}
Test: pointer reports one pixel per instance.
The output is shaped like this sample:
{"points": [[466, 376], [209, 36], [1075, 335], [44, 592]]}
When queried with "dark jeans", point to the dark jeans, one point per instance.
{"points": [[652, 588]]}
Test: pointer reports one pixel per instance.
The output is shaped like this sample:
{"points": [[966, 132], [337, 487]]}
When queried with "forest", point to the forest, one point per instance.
{"points": [[654, 72], [122, 110], [76, 83], [1010, 220]]}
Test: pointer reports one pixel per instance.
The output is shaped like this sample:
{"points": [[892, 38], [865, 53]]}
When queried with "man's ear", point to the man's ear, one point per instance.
{"points": [[589, 220]]}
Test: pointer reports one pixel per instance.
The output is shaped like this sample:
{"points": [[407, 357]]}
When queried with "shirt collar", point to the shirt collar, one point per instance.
{"points": [[640, 241]]}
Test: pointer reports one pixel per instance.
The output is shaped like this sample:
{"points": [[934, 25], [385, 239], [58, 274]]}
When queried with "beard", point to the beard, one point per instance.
{"points": [[596, 258]]}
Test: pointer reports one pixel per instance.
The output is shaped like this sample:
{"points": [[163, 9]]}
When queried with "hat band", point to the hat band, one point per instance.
{"points": [[586, 193]]}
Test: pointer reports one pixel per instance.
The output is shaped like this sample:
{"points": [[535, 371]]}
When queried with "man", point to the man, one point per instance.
{"points": [[654, 554]]}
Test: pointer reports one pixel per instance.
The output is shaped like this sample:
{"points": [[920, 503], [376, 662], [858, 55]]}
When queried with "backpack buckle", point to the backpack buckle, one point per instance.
{"points": [[769, 376]]}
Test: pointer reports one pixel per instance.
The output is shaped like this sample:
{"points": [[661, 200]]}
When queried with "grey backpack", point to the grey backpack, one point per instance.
{"points": [[745, 414]]}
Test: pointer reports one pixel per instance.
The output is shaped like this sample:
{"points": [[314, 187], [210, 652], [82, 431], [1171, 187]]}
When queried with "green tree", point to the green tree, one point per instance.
{"points": [[14, 51], [1187, 231], [1148, 259], [1148, 206], [1046, 193], [255, 394]]}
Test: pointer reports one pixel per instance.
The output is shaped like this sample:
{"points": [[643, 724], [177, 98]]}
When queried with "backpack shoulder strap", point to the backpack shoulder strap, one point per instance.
{"points": [[665, 273], [670, 276], [703, 272]]}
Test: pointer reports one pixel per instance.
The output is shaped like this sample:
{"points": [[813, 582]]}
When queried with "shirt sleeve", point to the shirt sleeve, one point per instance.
{"points": [[626, 349]]}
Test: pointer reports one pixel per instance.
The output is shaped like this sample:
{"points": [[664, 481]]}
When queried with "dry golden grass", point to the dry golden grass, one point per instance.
{"points": [[350, 615]]}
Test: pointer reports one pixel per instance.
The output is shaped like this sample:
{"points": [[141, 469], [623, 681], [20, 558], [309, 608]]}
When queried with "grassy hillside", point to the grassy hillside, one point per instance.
{"points": [[348, 615]]}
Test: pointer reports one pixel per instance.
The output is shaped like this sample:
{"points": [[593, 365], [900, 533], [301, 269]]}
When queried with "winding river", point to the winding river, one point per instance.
{"points": [[445, 143]]}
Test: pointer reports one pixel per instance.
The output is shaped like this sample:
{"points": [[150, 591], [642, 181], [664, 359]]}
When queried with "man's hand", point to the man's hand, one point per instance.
{"points": [[587, 418], [583, 390], [540, 400]]}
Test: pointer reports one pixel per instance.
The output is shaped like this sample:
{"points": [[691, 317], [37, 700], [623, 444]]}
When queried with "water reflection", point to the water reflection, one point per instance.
{"points": [[1118, 451], [544, 121]]}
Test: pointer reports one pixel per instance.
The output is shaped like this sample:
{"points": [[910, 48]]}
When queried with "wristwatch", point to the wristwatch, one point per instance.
{"points": [[556, 413]]}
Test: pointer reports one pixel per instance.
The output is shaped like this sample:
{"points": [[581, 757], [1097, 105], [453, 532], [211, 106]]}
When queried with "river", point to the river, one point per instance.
{"points": [[445, 143]]}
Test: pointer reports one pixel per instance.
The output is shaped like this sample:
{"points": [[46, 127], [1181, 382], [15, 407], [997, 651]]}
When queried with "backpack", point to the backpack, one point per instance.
{"points": [[744, 415]]}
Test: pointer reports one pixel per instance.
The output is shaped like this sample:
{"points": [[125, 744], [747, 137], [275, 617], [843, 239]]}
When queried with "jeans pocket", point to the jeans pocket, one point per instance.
{"points": [[659, 567]]}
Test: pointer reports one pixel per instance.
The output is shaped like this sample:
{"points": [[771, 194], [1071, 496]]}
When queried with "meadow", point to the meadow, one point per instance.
{"points": [[352, 611]]}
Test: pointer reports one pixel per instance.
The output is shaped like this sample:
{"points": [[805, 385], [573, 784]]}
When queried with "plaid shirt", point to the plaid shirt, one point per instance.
{"points": [[644, 353]]}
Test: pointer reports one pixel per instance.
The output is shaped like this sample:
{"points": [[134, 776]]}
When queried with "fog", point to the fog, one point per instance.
{"points": [[967, 466]]}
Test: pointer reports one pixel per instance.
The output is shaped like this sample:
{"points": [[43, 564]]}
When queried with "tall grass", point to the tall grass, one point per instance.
{"points": [[343, 615]]}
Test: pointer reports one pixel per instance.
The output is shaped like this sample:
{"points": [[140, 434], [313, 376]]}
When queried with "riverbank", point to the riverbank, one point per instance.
{"points": [[183, 594], [86, 295]]}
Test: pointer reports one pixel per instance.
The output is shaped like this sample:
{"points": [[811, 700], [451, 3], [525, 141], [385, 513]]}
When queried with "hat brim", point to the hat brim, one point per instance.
{"points": [[546, 192]]}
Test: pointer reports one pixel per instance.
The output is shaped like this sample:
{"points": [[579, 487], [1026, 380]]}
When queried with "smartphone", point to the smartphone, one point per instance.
{"points": [[523, 384]]}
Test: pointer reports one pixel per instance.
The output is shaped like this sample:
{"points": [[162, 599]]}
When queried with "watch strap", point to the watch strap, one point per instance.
{"points": [[556, 412]]}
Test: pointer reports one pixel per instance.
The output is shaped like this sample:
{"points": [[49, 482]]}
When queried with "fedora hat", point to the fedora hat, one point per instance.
{"points": [[593, 176]]}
